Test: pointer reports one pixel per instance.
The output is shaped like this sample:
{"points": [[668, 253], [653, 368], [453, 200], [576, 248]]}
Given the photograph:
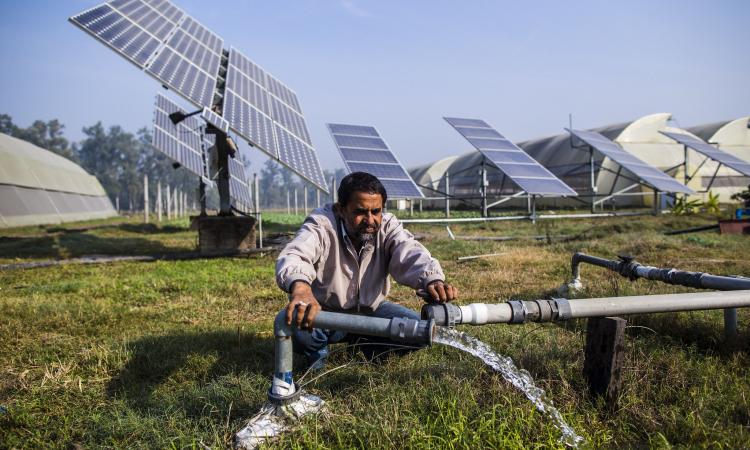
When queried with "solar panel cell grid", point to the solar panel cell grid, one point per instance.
{"points": [[356, 154], [195, 52], [529, 175], [645, 172], [185, 78], [712, 152], [250, 123], [395, 179], [359, 142]]}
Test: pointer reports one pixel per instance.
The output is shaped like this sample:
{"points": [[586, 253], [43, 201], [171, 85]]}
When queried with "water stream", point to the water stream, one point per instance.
{"points": [[519, 378]]}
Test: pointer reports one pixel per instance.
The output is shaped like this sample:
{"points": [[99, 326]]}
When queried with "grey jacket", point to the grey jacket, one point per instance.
{"points": [[323, 256]]}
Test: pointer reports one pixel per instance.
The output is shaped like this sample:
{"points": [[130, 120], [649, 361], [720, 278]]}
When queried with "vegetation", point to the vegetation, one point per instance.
{"points": [[179, 354]]}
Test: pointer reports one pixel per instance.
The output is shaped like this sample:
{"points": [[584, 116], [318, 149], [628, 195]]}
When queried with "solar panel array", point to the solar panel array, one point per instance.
{"points": [[645, 172], [161, 39], [215, 120], [712, 152], [267, 113], [516, 164], [185, 56], [181, 142], [238, 184], [363, 150]]}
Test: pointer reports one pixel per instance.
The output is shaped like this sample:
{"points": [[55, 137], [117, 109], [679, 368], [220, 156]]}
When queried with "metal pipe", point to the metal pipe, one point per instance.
{"points": [[398, 329], [628, 267], [559, 309]]}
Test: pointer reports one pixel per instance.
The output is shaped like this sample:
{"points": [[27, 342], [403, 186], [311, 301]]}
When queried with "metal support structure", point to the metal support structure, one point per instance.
{"points": [[533, 209], [620, 192], [288, 203], [483, 188], [592, 164], [145, 198], [202, 196], [334, 192], [296, 208], [657, 203], [317, 198], [258, 215], [516, 195]]}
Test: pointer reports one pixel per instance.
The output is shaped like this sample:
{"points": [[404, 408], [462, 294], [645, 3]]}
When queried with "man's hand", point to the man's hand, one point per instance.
{"points": [[302, 306], [442, 292]]}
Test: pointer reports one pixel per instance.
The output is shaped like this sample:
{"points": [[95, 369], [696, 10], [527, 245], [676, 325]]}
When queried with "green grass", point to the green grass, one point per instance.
{"points": [[172, 354]]}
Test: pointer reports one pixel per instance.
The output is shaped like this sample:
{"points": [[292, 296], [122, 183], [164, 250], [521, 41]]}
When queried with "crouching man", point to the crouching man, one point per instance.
{"points": [[340, 260]]}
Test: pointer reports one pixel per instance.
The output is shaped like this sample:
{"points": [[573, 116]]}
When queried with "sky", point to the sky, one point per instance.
{"points": [[403, 65]]}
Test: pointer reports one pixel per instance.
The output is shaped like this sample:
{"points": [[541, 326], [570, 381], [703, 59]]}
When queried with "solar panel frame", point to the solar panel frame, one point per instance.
{"points": [[182, 142], [645, 172], [708, 150], [389, 170], [251, 108], [510, 159]]}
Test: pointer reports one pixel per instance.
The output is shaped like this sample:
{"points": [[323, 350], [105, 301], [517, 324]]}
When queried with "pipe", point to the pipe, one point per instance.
{"points": [[559, 309], [283, 389], [628, 267]]}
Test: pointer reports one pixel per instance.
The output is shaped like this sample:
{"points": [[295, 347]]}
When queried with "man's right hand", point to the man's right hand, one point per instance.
{"points": [[303, 307]]}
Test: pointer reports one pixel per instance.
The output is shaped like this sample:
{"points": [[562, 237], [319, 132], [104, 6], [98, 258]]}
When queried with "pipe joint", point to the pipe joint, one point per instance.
{"points": [[443, 314], [519, 311], [411, 330]]}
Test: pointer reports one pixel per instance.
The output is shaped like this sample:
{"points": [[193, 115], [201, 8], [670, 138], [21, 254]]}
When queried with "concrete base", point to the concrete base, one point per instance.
{"points": [[224, 234]]}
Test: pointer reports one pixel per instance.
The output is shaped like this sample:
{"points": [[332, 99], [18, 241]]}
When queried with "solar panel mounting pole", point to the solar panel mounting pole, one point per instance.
{"points": [[483, 189], [593, 181], [533, 209], [202, 195]]}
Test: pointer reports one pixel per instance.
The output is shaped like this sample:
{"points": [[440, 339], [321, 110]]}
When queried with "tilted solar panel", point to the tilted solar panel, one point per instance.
{"points": [[238, 184], [642, 170], [215, 120], [712, 152], [181, 142], [363, 150], [266, 113], [162, 40], [516, 164]]}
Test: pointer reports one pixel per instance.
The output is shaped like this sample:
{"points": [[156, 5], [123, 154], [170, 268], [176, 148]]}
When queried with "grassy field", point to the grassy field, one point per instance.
{"points": [[178, 354]]}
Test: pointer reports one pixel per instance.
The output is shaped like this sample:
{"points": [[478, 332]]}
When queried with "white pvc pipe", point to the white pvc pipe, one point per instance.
{"points": [[646, 304]]}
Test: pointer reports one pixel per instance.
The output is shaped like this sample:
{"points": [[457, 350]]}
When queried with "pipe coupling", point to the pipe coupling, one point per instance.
{"points": [[412, 330], [443, 314], [519, 312]]}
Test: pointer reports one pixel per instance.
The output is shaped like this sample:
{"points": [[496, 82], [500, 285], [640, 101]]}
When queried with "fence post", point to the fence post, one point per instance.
{"points": [[145, 198]]}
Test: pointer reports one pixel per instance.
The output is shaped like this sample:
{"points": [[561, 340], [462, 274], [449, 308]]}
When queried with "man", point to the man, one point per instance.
{"points": [[340, 260]]}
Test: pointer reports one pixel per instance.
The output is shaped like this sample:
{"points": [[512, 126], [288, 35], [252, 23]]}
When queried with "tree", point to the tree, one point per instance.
{"points": [[47, 135]]}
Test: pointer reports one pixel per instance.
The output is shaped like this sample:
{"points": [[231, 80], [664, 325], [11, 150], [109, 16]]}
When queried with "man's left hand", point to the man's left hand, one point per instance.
{"points": [[442, 292]]}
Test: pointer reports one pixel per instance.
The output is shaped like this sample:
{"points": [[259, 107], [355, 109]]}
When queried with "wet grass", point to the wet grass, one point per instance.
{"points": [[172, 354]]}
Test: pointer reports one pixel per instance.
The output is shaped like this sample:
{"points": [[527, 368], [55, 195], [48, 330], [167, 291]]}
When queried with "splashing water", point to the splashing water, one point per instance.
{"points": [[272, 420], [519, 378]]}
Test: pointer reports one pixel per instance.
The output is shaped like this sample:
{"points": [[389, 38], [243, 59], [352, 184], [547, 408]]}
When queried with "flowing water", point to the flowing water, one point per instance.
{"points": [[519, 378]]}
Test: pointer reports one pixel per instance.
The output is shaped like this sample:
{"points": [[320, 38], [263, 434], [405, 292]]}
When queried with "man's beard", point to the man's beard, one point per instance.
{"points": [[366, 237]]}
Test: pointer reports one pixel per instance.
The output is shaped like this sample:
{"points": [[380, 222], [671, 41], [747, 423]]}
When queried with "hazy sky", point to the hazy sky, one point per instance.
{"points": [[403, 65]]}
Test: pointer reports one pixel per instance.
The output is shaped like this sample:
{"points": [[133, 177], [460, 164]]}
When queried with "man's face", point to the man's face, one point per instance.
{"points": [[362, 215]]}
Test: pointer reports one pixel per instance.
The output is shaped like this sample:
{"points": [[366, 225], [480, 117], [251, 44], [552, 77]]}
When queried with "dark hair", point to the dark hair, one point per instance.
{"points": [[360, 182]]}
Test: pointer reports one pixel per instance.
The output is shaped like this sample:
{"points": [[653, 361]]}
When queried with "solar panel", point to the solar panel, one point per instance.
{"points": [[181, 142], [238, 184], [264, 111], [712, 152], [516, 164], [159, 38], [644, 171], [215, 120], [186, 57], [363, 150]]}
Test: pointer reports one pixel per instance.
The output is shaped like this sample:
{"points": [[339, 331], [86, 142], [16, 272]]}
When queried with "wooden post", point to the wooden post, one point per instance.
{"points": [[296, 209], [158, 202], [145, 198], [288, 203], [117, 204], [605, 351]]}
